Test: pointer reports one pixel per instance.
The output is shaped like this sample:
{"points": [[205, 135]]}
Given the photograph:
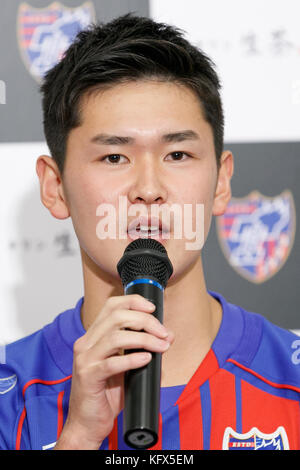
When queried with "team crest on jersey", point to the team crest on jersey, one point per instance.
{"points": [[7, 384], [44, 34], [255, 440], [256, 234]]}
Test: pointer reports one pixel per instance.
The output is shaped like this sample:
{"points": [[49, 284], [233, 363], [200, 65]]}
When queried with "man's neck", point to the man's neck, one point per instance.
{"points": [[195, 317], [189, 311]]}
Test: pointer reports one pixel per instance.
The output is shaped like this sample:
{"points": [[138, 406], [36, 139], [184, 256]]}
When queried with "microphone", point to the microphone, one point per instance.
{"points": [[144, 269]]}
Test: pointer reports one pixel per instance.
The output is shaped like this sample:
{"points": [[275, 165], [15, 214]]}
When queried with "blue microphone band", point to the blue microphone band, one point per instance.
{"points": [[143, 281]]}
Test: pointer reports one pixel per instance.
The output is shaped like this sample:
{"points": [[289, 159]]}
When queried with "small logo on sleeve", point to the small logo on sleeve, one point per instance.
{"points": [[7, 384], [255, 440], [49, 446]]}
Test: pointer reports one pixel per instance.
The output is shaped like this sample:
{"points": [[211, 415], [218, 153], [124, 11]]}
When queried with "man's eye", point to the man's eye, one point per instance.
{"points": [[113, 158], [178, 155]]}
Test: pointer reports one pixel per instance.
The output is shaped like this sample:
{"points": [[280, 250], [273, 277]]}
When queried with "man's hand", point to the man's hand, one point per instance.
{"points": [[97, 397]]}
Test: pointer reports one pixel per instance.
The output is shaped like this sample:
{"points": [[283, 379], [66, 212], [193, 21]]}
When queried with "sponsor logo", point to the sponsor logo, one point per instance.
{"points": [[255, 440], [256, 234], [44, 34]]}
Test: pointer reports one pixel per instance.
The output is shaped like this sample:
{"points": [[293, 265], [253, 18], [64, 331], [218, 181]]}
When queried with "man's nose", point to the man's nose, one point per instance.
{"points": [[148, 183]]}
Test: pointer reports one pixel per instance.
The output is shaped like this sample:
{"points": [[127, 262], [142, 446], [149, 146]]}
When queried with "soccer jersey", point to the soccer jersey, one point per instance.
{"points": [[245, 394]]}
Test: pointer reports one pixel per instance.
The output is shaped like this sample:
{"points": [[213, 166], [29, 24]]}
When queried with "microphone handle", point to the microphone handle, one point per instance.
{"points": [[142, 385]]}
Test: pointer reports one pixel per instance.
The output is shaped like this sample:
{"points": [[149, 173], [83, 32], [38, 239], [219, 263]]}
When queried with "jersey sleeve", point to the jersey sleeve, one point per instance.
{"points": [[277, 358]]}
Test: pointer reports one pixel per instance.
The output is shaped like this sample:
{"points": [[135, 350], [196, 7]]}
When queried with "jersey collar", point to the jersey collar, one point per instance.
{"points": [[67, 328]]}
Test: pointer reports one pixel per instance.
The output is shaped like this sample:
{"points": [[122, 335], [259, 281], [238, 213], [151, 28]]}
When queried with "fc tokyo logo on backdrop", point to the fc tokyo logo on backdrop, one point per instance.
{"points": [[44, 34], [255, 440], [256, 234]]}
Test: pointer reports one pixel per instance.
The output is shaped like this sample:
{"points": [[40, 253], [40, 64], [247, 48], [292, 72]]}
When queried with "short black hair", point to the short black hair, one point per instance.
{"points": [[129, 48]]}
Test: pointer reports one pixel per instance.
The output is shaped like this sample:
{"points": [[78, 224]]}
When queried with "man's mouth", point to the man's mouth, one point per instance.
{"points": [[144, 227]]}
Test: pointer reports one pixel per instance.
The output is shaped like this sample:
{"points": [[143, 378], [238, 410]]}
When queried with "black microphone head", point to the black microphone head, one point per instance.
{"points": [[145, 257]]}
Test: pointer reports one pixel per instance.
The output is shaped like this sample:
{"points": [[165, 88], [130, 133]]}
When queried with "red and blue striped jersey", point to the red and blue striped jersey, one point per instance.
{"points": [[245, 394]]}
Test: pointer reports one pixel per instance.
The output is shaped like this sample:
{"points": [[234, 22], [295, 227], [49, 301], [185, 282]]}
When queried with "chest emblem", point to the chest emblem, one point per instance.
{"points": [[255, 440]]}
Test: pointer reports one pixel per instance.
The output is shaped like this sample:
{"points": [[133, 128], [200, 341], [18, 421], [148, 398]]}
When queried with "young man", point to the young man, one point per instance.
{"points": [[134, 110]]}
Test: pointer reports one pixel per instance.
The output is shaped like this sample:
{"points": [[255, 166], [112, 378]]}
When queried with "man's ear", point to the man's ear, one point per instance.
{"points": [[51, 187], [223, 188]]}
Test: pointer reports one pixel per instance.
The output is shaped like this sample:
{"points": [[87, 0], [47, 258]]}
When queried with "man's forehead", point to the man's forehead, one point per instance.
{"points": [[143, 89], [113, 120]]}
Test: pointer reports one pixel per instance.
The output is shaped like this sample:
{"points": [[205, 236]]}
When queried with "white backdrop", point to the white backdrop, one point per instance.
{"points": [[256, 46], [39, 254]]}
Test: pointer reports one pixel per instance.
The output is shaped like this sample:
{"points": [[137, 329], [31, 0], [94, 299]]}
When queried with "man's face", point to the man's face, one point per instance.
{"points": [[146, 169]]}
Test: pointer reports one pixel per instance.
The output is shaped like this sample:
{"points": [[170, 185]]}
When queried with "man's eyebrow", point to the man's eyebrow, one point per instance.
{"points": [[180, 136], [172, 137]]}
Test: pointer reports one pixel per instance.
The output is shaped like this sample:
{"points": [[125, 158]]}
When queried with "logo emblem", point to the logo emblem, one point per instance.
{"points": [[44, 34], [255, 440], [256, 234], [7, 384]]}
